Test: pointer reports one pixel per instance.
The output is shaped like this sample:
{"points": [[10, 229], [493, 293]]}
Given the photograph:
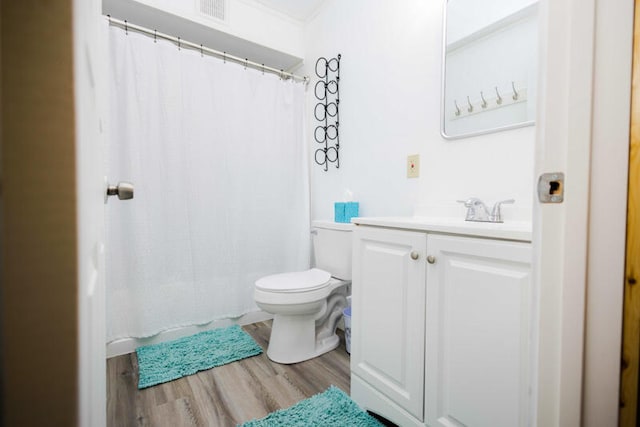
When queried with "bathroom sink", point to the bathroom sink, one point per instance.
{"points": [[510, 230]]}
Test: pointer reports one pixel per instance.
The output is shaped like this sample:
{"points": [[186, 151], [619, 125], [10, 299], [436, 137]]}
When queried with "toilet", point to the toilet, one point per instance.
{"points": [[307, 305]]}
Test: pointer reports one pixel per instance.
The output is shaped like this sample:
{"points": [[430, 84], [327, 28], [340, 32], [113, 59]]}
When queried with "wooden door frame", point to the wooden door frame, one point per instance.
{"points": [[631, 323]]}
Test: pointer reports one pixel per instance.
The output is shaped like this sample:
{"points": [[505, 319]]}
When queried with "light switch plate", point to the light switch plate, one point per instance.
{"points": [[413, 166]]}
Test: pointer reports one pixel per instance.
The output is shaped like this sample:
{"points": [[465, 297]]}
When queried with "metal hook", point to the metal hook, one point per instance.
{"points": [[457, 108], [498, 97], [470, 108], [516, 95], [484, 101]]}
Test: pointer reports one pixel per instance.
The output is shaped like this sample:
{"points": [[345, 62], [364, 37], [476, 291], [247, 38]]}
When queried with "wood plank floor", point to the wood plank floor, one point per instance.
{"points": [[223, 396]]}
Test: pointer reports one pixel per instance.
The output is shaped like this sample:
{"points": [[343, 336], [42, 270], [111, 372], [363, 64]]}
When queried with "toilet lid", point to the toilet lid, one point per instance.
{"points": [[308, 280]]}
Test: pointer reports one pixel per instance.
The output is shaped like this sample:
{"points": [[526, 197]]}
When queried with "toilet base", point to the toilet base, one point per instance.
{"points": [[288, 355], [304, 323], [299, 337]]}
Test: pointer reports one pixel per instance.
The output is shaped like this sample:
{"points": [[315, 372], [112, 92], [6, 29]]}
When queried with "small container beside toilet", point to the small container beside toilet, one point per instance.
{"points": [[307, 305]]}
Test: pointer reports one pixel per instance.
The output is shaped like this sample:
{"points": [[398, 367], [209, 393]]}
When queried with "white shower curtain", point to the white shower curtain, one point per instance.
{"points": [[217, 158]]}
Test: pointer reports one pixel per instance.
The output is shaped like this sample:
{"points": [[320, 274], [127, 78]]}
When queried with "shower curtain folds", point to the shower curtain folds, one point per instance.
{"points": [[217, 156]]}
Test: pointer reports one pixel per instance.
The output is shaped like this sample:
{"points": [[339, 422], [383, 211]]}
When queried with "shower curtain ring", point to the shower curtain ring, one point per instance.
{"points": [[263, 69], [155, 36], [201, 52], [178, 43], [246, 60], [126, 27], [224, 57]]}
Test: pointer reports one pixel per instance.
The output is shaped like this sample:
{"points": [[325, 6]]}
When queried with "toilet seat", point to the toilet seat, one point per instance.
{"points": [[294, 282]]}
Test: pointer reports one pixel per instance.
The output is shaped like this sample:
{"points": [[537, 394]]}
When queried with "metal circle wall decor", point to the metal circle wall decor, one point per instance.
{"points": [[327, 111]]}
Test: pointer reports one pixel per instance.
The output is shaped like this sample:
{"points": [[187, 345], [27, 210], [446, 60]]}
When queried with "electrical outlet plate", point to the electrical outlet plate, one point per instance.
{"points": [[413, 166]]}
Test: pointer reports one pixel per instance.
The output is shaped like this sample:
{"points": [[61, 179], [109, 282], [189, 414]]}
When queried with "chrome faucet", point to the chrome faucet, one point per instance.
{"points": [[477, 211]]}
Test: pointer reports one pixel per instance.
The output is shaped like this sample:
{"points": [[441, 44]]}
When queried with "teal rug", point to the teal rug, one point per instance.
{"points": [[171, 360], [331, 408]]}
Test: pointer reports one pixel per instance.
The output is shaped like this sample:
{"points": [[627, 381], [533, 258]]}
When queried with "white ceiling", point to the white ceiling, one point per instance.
{"points": [[301, 10]]}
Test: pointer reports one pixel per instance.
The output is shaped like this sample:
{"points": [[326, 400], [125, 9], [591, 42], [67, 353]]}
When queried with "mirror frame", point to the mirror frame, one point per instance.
{"points": [[442, 95]]}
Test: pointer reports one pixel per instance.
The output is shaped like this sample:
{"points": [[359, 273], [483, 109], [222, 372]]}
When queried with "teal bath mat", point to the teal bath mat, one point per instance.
{"points": [[171, 360], [331, 408]]}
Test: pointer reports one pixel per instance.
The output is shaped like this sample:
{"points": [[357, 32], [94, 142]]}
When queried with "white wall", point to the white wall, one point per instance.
{"points": [[251, 30], [390, 108], [471, 15], [247, 19]]}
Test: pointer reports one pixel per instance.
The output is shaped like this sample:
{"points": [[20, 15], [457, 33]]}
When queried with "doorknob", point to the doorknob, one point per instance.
{"points": [[124, 190]]}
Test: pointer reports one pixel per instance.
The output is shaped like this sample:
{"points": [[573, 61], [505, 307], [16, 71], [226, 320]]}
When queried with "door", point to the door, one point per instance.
{"points": [[582, 130], [52, 208], [388, 314], [90, 100], [560, 229], [478, 332]]}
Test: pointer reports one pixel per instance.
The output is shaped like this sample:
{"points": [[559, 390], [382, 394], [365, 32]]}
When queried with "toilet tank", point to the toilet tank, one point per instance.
{"points": [[332, 247]]}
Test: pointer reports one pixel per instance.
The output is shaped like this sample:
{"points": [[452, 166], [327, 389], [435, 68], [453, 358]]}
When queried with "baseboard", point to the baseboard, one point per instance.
{"points": [[129, 345]]}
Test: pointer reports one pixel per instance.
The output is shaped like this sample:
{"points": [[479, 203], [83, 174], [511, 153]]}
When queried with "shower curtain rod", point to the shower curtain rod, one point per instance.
{"points": [[224, 55]]}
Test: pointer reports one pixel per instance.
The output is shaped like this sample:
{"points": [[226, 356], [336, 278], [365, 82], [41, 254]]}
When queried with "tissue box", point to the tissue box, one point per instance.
{"points": [[344, 211], [339, 211], [351, 210]]}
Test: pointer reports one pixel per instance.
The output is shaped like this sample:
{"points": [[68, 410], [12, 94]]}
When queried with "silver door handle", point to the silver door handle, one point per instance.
{"points": [[124, 190], [431, 259], [415, 255]]}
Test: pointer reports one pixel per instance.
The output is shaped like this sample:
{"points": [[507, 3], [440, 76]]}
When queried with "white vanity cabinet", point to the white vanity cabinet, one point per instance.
{"points": [[387, 351], [441, 328], [478, 332]]}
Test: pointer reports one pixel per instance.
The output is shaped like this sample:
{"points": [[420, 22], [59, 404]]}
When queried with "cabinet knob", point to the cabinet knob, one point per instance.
{"points": [[431, 259], [415, 255]]}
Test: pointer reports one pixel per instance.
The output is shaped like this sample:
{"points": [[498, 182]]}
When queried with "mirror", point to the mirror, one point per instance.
{"points": [[489, 66]]}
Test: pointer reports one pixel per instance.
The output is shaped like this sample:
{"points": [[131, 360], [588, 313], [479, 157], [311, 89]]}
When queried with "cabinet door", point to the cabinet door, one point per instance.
{"points": [[478, 332], [388, 314]]}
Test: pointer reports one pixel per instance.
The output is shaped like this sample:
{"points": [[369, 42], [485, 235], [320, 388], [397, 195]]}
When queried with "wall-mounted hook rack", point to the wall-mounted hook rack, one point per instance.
{"points": [[483, 104]]}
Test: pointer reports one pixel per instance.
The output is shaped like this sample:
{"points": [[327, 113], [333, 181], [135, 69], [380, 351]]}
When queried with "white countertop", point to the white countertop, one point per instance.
{"points": [[510, 230]]}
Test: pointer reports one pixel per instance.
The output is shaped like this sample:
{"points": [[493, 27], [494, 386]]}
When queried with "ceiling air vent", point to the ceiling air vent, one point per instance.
{"points": [[216, 9]]}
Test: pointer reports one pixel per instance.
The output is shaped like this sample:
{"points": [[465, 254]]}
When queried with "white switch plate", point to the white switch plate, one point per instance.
{"points": [[413, 166]]}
